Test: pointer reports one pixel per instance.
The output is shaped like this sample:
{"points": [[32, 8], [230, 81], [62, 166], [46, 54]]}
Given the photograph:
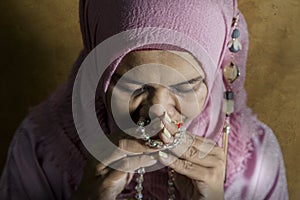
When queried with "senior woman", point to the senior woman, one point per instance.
{"points": [[171, 65]]}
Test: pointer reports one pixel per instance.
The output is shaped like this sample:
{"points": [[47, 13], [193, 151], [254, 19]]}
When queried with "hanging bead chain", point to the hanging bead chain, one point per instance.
{"points": [[141, 171], [140, 180], [231, 73], [157, 144], [234, 45], [139, 186], [231, 70], [171, 184]]}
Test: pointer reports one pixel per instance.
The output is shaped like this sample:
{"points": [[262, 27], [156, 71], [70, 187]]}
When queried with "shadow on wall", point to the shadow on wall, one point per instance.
{"points": [[38, 50]]}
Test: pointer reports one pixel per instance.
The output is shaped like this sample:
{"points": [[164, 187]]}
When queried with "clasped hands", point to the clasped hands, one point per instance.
{"points": [[198, 163]]}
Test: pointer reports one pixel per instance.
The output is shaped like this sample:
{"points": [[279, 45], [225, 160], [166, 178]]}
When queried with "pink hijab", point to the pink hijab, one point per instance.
{"points": [[208, 23]]}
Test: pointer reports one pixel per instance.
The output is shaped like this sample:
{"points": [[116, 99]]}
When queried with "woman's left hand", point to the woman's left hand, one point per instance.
{"points": [[199, 167]]}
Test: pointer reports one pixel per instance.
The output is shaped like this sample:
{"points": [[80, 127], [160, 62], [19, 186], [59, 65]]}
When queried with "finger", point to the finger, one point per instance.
{"points": [[166, 136], [134, 147], [130, 147], [113, 184], [114, 156], [205, 146], [208, 146], [198, 148], [172, 127], [195, 156], [185, 142], [194, 171], [129, 178], [185, 167], [131, 164], [101, 170]]}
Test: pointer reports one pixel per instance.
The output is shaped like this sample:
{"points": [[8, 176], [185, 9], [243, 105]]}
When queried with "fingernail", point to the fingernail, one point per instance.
{"points": [[167, 118], [161, 125], [167, 133], [162, 154], [101, 173], [157, 123]]}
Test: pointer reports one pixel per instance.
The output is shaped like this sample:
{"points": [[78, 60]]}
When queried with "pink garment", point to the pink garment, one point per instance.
{"points": [[55, 154]]}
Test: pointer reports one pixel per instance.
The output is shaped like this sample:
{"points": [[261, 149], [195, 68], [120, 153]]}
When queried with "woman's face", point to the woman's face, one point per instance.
{"points": [[148, 83]]}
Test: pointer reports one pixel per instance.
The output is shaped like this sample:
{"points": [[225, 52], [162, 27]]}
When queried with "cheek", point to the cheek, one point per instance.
{"points": [[119, 102], [192, 105], [201, 96]]}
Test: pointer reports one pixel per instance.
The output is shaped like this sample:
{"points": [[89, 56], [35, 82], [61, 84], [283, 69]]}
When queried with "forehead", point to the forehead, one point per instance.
{"points": [[182, 62]]}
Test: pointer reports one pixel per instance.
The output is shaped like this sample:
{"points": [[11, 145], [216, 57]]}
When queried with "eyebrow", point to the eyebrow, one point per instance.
{"points": [[118, 76]]}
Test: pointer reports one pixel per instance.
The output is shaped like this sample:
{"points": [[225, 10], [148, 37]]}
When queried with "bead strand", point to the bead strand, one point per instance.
{"points": [[139, 186]]}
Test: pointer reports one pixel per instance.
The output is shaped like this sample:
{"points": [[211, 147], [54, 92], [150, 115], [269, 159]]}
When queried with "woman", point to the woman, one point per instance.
{"points": [[185, 40]]}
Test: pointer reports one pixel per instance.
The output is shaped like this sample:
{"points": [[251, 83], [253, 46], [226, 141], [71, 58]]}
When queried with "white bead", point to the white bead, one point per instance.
{"points": [[228, 106]]}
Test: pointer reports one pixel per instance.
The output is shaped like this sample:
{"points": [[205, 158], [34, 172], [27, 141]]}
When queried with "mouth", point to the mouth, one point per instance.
{"points": [[155, 130]]}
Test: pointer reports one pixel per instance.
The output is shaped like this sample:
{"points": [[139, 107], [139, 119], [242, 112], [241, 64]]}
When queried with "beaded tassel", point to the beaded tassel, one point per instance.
{"points": [[231, 73], [139, 186], [158, 144], [140, 179], [234, 45], [228, 103], [171, 186]]}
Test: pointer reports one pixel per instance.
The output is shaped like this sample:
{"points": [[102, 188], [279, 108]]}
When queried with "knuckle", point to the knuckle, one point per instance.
{"points": [[187, 165], [197, 143], [122, 143], [192, 151]]}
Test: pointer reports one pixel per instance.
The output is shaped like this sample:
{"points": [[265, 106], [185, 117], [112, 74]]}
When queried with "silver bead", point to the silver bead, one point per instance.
{"points": [[139, 196]]}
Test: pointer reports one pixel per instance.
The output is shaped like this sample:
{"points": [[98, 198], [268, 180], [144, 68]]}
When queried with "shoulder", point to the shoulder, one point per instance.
{"points": [[266, 145], [270, 177], [42, 149], [265, 172], [264, 175]]}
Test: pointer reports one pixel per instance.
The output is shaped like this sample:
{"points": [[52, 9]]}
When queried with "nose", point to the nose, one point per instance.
{"points": [[161, 100]]}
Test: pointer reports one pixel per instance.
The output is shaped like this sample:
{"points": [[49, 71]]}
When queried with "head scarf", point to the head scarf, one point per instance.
{"points": [[208, 23]]}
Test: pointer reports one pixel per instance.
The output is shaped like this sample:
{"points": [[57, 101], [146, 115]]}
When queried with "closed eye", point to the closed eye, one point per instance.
{"points": [[137, 88]]}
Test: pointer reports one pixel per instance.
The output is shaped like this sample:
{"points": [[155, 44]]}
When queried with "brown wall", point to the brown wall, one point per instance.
{"points": [[273, 75], [40, 41]]}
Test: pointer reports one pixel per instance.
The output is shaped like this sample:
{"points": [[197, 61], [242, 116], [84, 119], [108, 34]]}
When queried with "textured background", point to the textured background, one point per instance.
{"points": [[40, 40]]}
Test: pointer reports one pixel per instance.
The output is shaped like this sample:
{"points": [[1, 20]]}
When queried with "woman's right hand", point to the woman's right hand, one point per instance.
{"points": [[107, 179]]}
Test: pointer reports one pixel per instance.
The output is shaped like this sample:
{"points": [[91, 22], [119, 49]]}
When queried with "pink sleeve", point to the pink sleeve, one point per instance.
{"points": [[265, 176]]}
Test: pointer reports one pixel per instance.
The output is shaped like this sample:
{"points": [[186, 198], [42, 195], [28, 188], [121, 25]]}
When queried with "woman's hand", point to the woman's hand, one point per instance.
{"points": [[108, 179], [199, 166]]}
